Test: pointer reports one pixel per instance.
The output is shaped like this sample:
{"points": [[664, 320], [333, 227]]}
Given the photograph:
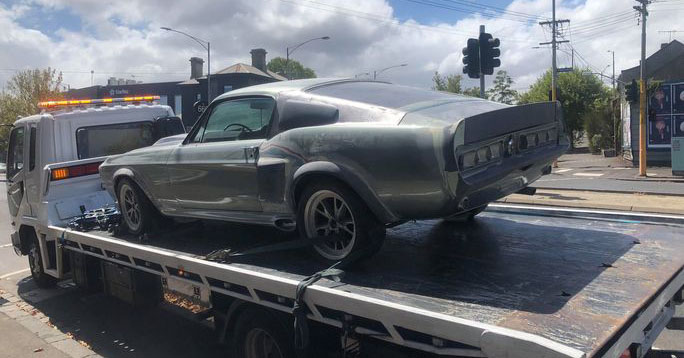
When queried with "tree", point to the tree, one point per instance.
{"points": [[578, 95], [502, 92], [447, 83], [472, 92], [294, 71], [23, 92]]}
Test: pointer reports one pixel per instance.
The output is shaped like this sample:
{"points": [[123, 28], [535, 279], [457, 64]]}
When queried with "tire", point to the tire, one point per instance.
{"points": [[35, 257], [465, 216], [137, 213], [258, 333], [351, 218]]}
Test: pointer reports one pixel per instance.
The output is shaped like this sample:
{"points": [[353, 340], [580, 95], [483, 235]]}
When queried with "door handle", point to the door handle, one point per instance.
{"points": [[251, 154]]}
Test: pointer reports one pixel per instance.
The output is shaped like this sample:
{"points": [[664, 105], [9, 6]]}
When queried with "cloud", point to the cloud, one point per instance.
{"points": [[123, 38]]}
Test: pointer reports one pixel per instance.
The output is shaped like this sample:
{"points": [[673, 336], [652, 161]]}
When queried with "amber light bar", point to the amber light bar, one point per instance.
{"points": [[74, 171], [80, 102]]}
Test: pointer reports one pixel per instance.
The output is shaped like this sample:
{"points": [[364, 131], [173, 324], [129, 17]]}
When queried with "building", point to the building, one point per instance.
{"points": [[182, 95], [665, 105]]}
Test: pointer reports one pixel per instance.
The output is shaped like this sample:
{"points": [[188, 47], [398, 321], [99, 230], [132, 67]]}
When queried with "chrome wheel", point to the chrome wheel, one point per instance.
{"points": [[130, 207], [327, 214], [260, 344]]}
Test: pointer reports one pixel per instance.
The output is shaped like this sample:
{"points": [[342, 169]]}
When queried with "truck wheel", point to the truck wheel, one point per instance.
{"points": [[35, 258], [328, 208], [465, 216], [258, 334], [137, 213]]}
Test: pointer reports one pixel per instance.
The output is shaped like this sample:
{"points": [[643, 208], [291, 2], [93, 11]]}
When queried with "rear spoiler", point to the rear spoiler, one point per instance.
{"points": [[506, 120]]}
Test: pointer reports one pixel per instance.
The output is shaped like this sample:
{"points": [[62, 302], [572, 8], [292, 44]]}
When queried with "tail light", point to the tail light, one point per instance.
{"points": [[74, 171]]}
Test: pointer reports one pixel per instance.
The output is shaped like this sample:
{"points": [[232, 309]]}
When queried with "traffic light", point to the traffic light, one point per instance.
{"points": [[471, 59], [489, 53], [632, 92]]}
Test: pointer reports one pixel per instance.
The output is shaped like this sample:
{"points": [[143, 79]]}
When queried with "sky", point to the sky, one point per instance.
{"points": [[123, 38]]}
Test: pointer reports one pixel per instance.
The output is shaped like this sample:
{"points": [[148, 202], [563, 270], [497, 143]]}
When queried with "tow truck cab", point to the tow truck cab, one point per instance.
{"points": [[53, 159]]}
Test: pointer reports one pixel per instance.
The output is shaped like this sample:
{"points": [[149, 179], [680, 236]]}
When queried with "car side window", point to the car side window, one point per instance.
{"points": [[240, 119], [15, 152]]}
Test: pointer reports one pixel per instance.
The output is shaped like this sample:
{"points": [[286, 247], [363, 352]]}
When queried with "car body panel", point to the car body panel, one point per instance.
{"points": [[405, 163]]}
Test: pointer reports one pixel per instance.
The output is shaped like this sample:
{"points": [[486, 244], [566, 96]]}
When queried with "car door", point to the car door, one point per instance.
{"points": [[215, 167], [15, 169]]}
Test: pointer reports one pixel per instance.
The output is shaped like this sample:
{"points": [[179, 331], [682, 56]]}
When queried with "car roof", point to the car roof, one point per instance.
{"points": [[275, 88]]}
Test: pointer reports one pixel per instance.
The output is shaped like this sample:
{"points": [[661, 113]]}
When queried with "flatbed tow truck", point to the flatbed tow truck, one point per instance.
{"points": [[517, 281]]}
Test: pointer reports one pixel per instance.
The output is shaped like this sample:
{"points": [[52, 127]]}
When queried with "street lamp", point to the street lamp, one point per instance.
{"points": [[376, 73], [292, 49], [207, 46]]}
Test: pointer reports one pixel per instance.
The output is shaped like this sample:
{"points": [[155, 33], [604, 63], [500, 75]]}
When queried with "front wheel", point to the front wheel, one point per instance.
{"points": [[137, 213], [42, 279], [330, 209]]}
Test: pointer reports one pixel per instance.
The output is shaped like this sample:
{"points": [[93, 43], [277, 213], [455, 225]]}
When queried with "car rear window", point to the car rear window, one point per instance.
{"points": [[97, 141], [380, 93]]}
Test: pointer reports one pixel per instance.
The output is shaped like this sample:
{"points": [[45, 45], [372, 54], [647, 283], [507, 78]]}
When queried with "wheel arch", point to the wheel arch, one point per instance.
{"points": [[327, 170], [26, 234], [127, 173]]}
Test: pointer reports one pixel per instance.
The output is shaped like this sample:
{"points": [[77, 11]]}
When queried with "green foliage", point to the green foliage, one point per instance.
{"points": [[447, 83], [23, 92], [579, 94], [291, 69], [472, 92], [598, 125], [502, 92]]}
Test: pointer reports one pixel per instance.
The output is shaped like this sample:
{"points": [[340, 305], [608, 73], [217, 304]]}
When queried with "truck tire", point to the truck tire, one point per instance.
{"points": [[328, 208], [137, 213], [35, 257], [465, 216], [258, 333]]}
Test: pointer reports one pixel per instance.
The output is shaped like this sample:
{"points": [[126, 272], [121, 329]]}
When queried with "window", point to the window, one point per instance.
{"points": [[97, 141], [178, 104], [199, 96], [237, 120], [164, 100], [32, 148], [227, 88], [15, 153], [381, 94]]}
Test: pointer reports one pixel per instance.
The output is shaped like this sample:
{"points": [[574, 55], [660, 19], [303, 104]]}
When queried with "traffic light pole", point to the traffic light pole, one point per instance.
{"points": [[482, 77]]}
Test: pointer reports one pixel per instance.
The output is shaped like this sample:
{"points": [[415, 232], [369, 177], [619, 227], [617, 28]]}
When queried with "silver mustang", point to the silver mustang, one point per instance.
{"points": [[338, 158]]}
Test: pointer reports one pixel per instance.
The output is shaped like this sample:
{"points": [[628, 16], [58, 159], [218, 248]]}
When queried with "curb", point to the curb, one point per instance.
{"points": [[618, 207], [39, 324], [610, 191]]}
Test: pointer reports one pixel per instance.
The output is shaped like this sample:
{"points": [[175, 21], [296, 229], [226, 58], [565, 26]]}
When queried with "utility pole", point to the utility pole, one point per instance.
{"points": [[554, 46], [642, 88], [613, 78]]}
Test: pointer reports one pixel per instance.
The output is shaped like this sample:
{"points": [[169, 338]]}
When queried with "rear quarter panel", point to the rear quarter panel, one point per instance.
{"points": [[402, 166]]}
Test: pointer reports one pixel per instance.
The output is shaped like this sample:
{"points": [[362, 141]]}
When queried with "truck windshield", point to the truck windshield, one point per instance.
{"points": [[110, 139]]}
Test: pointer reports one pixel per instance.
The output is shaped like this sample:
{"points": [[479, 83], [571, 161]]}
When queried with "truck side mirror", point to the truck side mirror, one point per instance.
{"points": [[297, 114]]}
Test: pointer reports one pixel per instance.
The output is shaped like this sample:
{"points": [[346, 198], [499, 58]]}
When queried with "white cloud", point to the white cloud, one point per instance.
{"points": [[123, 37]]}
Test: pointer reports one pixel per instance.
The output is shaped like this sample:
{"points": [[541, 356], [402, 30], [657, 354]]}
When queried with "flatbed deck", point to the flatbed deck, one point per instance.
{"points": [[519, 282]]}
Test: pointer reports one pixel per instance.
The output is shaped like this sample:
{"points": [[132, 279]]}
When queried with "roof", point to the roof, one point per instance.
{"points": [[277, 87], [244, 68], [655, 62]]}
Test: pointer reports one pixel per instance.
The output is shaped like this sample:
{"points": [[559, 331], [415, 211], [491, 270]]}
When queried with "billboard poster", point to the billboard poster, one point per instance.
{"points": [[678, 98], [660, 101], [678, 126], [659, 130]]}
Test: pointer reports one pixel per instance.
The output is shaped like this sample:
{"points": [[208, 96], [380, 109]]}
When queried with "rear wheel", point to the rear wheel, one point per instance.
{"points": [[258, 334], [465, 216], [137, 213], [42, 279], [329, 209]]}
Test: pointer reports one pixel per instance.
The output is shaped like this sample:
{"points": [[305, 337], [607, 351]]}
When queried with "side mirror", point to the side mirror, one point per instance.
{"points": [[167, 126], [297, 114]]}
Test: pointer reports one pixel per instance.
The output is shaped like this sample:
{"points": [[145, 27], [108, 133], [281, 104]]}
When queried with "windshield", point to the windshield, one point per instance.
{"points": [[97, 141]]}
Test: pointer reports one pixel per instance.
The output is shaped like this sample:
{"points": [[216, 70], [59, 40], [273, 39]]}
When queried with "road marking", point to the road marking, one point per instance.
{"points": [[561, 170], [588, 174], [5, 245], [14, 273]]}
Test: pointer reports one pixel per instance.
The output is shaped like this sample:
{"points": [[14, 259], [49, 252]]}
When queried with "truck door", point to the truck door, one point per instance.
{"points": [[15, 169], [215, 169]]}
